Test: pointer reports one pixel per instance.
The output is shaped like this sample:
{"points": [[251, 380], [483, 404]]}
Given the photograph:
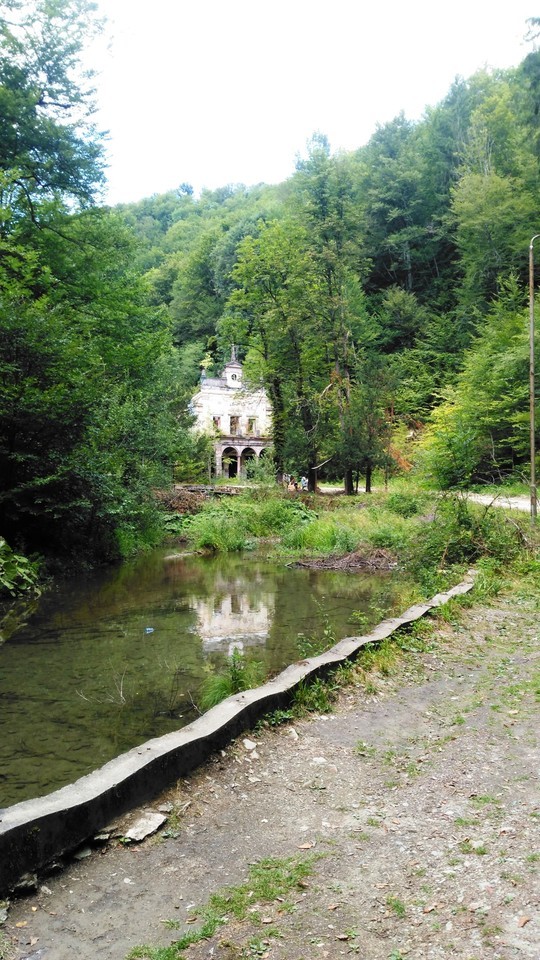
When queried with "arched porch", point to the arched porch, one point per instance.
{"points": [[232, 459]]}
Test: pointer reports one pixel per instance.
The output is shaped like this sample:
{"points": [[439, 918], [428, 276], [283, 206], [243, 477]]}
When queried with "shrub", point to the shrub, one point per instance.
{"points": [[461, 534], [387, 530], [17, 573], [404, 504], [217, 531], [324, 535]]}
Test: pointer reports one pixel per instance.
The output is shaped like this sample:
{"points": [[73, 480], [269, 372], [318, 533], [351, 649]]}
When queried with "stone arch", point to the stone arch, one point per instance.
{"points": [[248, 453], [231, 462]]}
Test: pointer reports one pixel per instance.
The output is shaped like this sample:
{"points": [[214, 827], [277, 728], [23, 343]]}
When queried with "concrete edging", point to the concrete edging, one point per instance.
{"points": [[34, 832]]}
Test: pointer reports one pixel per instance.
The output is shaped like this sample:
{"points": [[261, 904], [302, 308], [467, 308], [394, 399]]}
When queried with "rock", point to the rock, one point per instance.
{"points": [[145, 825], [82, 853], [27, 882]]}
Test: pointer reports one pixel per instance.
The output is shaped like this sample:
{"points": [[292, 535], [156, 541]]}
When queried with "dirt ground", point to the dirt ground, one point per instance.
{"points": [[417, 804]]}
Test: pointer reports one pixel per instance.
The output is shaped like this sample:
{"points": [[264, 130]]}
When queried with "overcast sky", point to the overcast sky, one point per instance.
{"points": [[212, 92]]}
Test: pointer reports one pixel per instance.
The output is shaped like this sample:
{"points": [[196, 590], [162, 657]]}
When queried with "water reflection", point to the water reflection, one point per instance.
{"points": [[118, 657], [234, 618]]}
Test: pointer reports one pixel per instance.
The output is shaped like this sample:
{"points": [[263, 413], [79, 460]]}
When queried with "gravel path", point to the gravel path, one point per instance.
{"points": [[418, 802]]}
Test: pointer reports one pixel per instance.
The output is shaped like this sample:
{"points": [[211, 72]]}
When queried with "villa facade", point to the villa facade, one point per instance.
{"points": [[237, 416]]}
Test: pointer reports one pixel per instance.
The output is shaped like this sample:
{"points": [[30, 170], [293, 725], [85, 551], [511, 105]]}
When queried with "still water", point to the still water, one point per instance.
{"points": [[117, 657]]}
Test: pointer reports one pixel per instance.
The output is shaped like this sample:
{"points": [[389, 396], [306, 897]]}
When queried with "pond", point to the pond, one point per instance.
{"points": [[118, 656]]}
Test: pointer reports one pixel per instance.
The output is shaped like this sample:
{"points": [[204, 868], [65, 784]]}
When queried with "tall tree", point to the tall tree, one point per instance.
{"points": [[48, 145], [88, 413], [481, 431]]}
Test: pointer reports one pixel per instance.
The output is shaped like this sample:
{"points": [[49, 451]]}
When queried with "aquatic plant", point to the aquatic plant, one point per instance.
{"points": [[239, 674]]}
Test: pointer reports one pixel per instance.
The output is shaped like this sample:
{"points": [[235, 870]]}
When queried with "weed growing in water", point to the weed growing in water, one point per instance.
{"points": [[326, 638], [358, 618], [240, 674]]}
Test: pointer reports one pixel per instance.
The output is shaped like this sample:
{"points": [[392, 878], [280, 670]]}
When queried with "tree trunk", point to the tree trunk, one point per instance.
{"points": [[349, 482], [369, 471], [278, 417]]}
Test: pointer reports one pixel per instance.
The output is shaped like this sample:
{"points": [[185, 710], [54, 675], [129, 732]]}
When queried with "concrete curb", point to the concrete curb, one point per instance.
{"points": [[34, 832]]}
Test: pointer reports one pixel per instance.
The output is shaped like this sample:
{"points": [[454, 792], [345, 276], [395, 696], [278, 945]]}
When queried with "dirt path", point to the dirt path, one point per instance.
{"points": [[420, 801], [510, 503]]}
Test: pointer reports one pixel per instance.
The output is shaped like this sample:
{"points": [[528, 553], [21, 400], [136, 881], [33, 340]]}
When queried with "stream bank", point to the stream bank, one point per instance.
{"points": [[421, 796]]}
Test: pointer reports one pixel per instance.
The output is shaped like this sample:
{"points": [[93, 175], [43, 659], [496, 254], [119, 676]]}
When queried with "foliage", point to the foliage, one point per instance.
{"points": [[215, 531], [480, 433], [261, 470], [90, 400], [462, 533], [48, 146], [403, 504], [229, 526], [354, 290], [17, 573], [325, 535]]}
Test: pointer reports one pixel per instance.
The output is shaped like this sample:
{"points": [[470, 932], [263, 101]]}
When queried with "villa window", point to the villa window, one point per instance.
{"points": [[235, 423], [252, 426], [217, 422]]}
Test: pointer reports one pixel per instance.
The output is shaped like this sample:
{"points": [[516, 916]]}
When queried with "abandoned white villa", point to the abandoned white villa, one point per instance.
{"points": [[237, 416]]}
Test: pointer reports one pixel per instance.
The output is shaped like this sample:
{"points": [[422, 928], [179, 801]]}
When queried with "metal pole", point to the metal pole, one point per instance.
{"points": [[531, 380]]}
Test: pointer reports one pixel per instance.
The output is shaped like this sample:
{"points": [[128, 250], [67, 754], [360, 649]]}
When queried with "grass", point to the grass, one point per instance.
{"points": [[269, 881], [234, 524], [396, 906], [6, 946], [435, 537], [239, 674], [478, 848]]}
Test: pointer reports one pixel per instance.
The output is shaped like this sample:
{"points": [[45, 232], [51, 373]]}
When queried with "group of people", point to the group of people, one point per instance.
{"points": [[292, 484]]}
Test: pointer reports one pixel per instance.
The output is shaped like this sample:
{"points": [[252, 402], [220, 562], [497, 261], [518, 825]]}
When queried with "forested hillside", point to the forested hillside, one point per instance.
{"points": [[357, 290], [366, 291]]}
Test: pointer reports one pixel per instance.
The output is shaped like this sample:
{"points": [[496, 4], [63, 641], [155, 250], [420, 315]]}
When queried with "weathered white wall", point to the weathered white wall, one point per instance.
{"points": [[227, 397]]}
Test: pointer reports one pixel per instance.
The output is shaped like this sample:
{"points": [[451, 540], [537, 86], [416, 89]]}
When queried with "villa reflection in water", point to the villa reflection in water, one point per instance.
{"points": [[234, 618]]}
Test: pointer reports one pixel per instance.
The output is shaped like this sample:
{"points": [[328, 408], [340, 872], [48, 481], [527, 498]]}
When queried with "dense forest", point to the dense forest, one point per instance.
{"points": [[374, 293]]}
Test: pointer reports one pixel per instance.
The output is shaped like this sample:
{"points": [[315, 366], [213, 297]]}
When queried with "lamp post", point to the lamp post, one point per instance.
{"points": [[531, 378]]}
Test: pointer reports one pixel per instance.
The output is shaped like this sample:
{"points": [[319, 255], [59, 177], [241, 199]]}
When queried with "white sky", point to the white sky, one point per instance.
{"points": [[212, 92]]}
